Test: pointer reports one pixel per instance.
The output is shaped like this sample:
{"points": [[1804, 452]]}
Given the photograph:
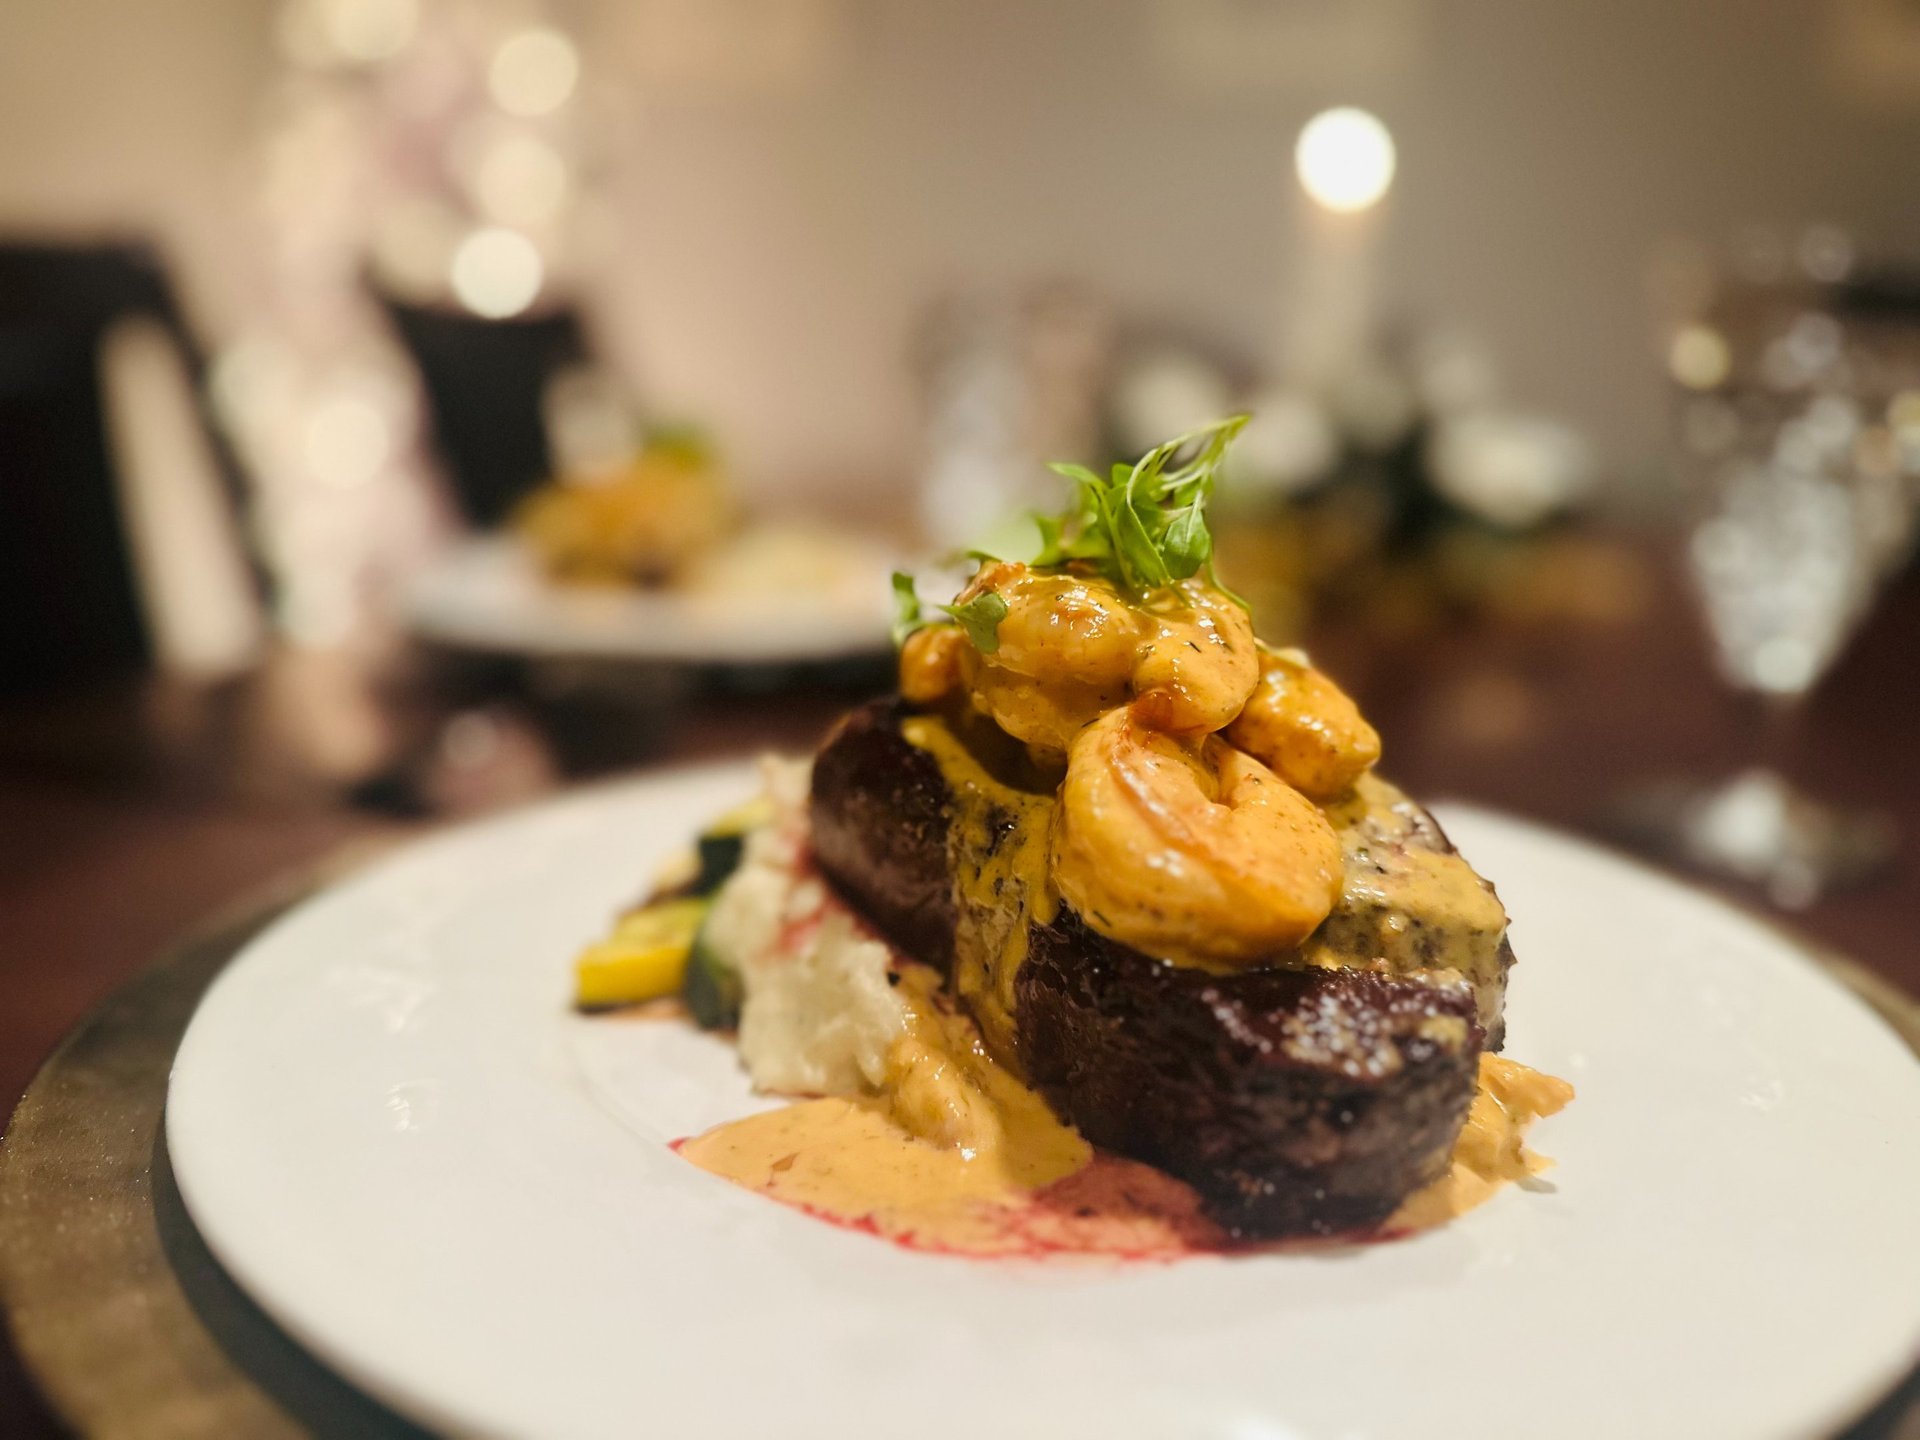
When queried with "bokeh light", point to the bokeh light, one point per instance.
{"points": [[1699, 357], [1345, 159], [319, 34], [533, 72], [497, 272]]}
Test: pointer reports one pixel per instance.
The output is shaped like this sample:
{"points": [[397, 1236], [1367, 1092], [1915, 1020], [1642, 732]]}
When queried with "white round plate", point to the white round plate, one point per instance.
{"points": [[487, 594], [392, 1131]]}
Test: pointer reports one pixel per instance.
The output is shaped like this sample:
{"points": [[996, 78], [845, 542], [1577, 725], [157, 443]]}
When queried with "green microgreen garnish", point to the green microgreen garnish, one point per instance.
{"points": [[1145, 524], [980, 617], [906, 608]]}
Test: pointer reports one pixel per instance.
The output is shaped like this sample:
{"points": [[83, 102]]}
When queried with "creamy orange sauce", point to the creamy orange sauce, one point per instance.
{"points": [[998, 851], [1491, 1151], [952, 1154], [849, 1161], [967, 1161], [943, 1088]]}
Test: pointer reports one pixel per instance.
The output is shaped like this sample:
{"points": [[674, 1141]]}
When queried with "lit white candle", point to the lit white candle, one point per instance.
{"points": [[1345, 162]]}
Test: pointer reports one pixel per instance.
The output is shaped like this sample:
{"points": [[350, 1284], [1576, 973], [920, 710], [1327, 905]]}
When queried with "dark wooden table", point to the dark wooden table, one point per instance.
{"points": [[130, 813]]}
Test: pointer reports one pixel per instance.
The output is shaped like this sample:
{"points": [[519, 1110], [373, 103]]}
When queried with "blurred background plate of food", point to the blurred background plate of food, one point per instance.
{"points": [[651, 560], [734, 608]]}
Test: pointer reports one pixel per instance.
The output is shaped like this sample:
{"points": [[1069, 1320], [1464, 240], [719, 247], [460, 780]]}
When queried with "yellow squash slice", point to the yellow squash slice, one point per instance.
{"points": [[644, 959]]}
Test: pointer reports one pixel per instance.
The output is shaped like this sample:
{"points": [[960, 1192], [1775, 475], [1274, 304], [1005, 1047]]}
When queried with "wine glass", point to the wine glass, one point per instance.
{"points": [[1799, 430]]}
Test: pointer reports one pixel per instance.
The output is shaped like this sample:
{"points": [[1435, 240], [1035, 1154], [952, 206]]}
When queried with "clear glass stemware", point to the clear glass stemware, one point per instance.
{"points": [[1799, 435]]}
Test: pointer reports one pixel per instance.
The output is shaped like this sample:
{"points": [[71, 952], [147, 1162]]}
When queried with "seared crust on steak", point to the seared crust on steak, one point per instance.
{"points": [[1295, 1101], [1305, 1097], [878, 811]]}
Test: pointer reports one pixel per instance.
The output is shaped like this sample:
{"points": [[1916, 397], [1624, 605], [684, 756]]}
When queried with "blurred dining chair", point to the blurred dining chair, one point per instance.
{"points": [[119, 504]]}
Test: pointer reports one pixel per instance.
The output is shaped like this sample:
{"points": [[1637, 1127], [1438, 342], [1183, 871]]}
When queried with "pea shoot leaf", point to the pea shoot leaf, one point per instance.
{"points": [[980, 617], [906, 608], [1145, 524]]}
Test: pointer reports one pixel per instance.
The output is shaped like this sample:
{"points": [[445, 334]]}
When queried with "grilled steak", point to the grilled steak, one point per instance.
{"points": [[1309, 1096], [880, 819], [1295, 1101]]}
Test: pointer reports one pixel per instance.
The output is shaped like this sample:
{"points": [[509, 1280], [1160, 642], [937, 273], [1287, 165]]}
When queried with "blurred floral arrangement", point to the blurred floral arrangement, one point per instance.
{"points": [[1400, 493]]}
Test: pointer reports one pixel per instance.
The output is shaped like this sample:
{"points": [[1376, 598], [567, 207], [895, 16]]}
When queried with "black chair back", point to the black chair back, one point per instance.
{"points": [[69, 603]]}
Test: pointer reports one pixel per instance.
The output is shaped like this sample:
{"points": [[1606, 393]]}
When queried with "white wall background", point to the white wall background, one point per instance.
{"points": [[795, 178]]}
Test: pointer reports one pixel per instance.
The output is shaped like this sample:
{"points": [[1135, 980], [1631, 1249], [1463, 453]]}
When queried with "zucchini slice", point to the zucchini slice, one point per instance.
{"points": [[713, 990], [723, 842]]}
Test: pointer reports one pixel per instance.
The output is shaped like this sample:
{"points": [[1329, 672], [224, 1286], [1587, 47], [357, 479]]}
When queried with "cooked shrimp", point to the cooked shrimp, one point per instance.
{"points": [[1189, 850], [1046, 714], [1199, 664], [1305, 728], [1064, 626], [1071, 647], [930, 663], [1066, 646]]}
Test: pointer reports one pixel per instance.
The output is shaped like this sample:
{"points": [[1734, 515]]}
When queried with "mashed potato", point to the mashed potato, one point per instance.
{"points": [[819, 1012]]}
